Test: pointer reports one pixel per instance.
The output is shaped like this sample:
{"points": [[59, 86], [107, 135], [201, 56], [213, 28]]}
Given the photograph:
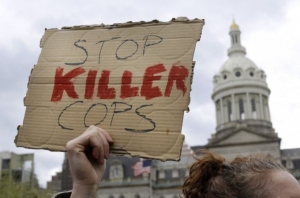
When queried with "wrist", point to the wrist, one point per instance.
{"points": [[82, 191]]}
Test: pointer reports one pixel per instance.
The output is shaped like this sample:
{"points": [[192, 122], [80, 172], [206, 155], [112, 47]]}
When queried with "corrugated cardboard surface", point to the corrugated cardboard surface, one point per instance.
{"points": [[131, 79]]}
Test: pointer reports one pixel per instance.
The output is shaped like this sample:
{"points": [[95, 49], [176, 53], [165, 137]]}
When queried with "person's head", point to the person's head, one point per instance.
{"points": [[254, 176]]}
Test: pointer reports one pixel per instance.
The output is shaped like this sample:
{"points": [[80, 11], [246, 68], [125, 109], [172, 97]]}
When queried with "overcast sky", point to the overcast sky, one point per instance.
{"points": [[270, 33]]}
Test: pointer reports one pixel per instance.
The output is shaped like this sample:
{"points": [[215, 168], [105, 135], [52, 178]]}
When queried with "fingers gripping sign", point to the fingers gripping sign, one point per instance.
{"points": [[87, 154]]}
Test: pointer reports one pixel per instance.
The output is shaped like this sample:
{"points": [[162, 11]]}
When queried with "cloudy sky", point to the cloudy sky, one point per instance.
{"points": [[270, 33]]}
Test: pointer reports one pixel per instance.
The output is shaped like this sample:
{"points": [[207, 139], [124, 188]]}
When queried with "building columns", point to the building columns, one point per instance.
{"points": [[248, 107], [233, 109], [261, 112], [217, 114], [222, 111]]}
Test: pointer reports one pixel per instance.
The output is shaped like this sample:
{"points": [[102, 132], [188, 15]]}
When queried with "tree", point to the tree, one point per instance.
{"points": [[11, 189]]}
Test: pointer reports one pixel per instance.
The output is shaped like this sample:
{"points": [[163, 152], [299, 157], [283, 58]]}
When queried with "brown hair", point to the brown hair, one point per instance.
{"points": [[245, 177]]}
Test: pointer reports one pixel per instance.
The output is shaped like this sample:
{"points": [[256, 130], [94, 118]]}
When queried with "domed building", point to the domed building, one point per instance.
{"points": [[241, 97]]}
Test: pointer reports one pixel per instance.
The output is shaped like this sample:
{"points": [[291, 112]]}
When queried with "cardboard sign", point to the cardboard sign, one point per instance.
{"points": [[131, 79]]}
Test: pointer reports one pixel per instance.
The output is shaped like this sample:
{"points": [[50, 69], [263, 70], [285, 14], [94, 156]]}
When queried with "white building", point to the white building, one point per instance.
{"points": [[241, 97]]}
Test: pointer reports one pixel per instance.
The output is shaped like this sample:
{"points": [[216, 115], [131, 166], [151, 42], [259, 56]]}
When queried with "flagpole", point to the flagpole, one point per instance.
{"points": [[150, 182], [144, 167]]}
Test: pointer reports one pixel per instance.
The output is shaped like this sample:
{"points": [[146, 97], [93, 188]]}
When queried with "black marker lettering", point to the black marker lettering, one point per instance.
{"points": [[63, 112], [93, 105], [116, 111], [103, 44], [143, 116], [86, 53], [149, 44], [124, 41]]}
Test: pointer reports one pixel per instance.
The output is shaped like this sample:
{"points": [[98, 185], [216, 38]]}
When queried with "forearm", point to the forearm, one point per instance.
{"points": [[87, 154], [80, 191]]}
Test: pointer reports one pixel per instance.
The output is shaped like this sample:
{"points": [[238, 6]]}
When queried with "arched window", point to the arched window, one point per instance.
{"points": [[241, 107], [161, 174], [116, 170], [253, 108], [229, 111]]}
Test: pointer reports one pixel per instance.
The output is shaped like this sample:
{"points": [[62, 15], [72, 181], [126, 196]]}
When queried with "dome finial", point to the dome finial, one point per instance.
{"points": [[234, 25], [236, 47]]}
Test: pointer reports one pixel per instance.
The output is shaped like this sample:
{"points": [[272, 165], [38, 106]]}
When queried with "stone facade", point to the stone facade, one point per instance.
{"points": [[164, 181], [291, 160], [243, 116]]}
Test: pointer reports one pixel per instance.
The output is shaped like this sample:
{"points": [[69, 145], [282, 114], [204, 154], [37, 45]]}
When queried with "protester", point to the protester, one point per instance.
{"points": [[253, 176], [211, 176]]}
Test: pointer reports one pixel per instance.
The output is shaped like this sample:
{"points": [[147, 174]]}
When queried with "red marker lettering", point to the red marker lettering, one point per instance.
{"points": [[147, 90], [103, 91], [126, 90], [178, 74], [63, 83], [90, 84]]}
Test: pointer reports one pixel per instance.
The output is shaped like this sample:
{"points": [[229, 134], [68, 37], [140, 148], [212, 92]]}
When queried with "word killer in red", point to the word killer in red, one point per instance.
{"points": [[64, 83]]}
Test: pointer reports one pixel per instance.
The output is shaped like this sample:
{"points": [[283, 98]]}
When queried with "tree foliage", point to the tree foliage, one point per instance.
{"points": [[11, 189]]}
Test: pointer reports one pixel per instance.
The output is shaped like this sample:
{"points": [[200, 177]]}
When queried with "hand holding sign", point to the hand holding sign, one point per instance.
{"points": [[87, 154]]}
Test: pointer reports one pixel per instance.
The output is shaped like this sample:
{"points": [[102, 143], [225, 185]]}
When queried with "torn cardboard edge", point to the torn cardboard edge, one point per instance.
{"points": [[130, 23], [29, 137]]}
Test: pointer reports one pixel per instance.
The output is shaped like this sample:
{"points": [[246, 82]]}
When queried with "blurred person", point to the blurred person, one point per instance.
{"points": [[211, 176], [253, 176]]}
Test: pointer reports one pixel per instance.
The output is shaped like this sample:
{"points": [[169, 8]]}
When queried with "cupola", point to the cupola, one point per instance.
{"points": [[240, 89]]}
